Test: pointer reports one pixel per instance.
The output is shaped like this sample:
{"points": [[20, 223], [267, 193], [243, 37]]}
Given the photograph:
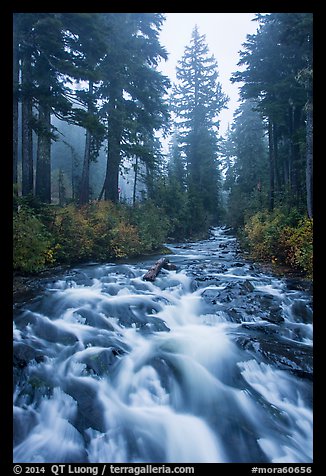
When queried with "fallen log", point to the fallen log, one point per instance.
{"points": [[156, 268]]}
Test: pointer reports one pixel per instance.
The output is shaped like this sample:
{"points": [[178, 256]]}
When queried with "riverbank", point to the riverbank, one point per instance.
{"points": [[281, 271], [27, 285], [281, 239]]}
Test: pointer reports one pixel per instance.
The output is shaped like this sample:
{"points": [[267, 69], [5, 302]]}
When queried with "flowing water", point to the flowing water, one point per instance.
{"points": [[212, 362]]}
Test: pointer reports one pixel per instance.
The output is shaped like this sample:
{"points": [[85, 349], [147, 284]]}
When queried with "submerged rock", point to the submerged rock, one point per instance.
{"points": [[274, 315], [301, 312], [246, 287], [90, 409], [286, 355], [24, 353], [102, 362], [24, 420]]}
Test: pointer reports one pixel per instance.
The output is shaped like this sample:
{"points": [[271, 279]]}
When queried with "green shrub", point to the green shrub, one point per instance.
{"points": [[47, 234], [113, 235], [99, 230], [33, 247], [73, 235], [298, 245], [152, 224], [281, 237], [125, 241], [263, 231]]}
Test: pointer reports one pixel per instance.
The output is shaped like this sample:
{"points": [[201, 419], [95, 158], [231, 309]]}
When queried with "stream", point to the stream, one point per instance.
{"points": [[211, 363]]}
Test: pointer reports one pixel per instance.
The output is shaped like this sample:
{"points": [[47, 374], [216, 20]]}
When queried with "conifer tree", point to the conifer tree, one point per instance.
{"points": [[132, 89], [246, 177], [15, 109], [44, 59], [197, 101], [89, 44], [24, 92], [276, 58]]}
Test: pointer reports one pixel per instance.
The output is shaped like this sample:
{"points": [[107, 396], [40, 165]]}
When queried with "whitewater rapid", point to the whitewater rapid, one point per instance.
{"points": [[210, 363]]}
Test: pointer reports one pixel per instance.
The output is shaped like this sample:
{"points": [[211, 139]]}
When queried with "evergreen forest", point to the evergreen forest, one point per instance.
{"points": [[112, 160]]}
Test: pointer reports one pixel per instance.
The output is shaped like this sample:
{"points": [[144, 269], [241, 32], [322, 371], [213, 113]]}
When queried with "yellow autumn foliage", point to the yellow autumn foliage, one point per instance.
{"points": [[278, 238]]}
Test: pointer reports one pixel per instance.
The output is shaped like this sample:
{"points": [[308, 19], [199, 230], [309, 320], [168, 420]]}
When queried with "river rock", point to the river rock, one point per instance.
{"points": [[47, 330], [139, 316], [246, 287], [299, 284], [241, 302], [268, 307], [153, 324], [236, 314], [274, 315], [23, 422], [95, 319], [24, 353], [237, 264], [297, 358], [291, 356], [301, 312], [102, 362], [235, 289], [90, 409]]}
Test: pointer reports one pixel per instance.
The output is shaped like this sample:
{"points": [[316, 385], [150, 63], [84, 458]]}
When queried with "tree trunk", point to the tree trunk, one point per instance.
{"points": [[289, 149], [15, 103], [27, 133], [286, 163], [135, 182], [43, 161], [276, 158], [156, 268], [61, 188], [295, 181], [111, 183], [84, 183], [309, 159], [271, 165], [149, 182]]}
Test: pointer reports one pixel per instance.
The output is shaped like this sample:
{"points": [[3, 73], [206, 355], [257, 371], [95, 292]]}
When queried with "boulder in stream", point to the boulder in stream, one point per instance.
{"points": [[286, 355]]}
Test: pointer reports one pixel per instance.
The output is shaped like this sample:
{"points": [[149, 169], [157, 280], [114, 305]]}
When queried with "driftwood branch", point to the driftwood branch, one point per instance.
{"points": [[156, 268]]}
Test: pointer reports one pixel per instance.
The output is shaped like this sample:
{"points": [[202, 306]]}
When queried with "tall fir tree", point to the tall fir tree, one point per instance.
{"points": [[89, 44], [275, 58], [246, 155], [132, 90], [43, 59], [24, 91], [197, 100]]}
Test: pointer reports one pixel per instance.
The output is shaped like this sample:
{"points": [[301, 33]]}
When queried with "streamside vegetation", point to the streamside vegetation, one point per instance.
{"points": [[91, 112], [269, 175], [46, 235]]}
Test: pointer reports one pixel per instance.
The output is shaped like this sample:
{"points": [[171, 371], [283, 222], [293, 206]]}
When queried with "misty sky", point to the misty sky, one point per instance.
{"points": [[225, 32]]}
